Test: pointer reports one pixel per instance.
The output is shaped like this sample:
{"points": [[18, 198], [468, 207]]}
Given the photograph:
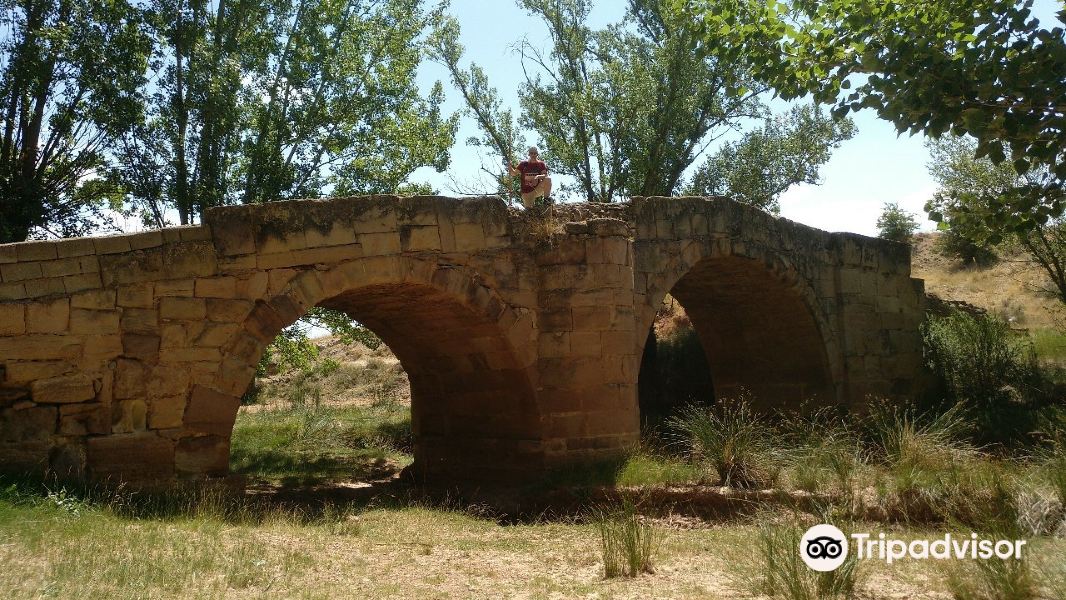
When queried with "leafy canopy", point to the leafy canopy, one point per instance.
{"points": [[767, 161], [985, 68], [71, 72]]}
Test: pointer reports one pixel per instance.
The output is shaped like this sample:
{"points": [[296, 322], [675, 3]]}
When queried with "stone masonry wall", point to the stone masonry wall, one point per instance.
{"points": [[124, 357]]}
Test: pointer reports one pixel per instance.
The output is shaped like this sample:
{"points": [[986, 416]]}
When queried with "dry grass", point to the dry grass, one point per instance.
{"points": [[1010, 287]]}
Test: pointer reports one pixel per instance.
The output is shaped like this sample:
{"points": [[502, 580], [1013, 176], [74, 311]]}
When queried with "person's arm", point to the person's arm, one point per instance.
{"points": [[512, 170]]}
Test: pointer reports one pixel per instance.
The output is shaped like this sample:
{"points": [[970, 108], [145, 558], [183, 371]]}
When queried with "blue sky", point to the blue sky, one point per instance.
{"points": [[874, 167]]}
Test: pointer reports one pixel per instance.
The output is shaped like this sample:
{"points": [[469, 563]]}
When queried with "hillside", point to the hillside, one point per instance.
{"points": [[1011, 287]]}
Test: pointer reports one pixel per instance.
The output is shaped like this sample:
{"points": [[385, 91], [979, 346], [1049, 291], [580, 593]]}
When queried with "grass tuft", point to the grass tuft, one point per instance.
{"points": [[628, 541], [739, 444], [776, 569]]}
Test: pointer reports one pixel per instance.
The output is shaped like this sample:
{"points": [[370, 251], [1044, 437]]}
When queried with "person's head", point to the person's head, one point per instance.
{"points": [[533, 152]]}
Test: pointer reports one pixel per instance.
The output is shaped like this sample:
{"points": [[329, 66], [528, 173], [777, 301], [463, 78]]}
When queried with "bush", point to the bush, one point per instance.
{"points": [[739, 444], [896, 224], [988, 369]]}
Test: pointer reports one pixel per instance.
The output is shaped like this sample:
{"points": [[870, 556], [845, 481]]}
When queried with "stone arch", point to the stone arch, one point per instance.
{"points": [[758, 318], [465, 350]]}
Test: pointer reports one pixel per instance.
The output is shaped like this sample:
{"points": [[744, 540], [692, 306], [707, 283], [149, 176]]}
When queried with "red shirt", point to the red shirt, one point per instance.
{"points": [[529, 168]]}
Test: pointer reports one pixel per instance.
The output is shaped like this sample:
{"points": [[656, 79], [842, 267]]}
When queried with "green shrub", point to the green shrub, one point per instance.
{"points": [[896, 224], [628, 541], [988, 369], [739, 444]]}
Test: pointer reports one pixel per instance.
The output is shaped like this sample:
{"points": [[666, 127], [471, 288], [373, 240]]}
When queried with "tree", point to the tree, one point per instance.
{"points": [[985, 68], [72, 72], [764, 163], [896, 224], [969, 190], [260, 100], [626, 110], [499, 130]]}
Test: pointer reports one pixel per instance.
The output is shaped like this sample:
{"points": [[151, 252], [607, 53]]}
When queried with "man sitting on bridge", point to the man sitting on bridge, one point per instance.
{"points": [[535, 180]]}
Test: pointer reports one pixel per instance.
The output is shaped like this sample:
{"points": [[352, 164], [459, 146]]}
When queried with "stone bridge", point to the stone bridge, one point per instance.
{"points": [[125, 357]]}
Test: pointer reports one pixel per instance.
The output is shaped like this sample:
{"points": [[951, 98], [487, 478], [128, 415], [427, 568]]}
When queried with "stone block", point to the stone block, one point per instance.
{"points": [[202, 456], [99, 348], [414, 238], [166, 381], [252, 286], [88, 418], [217, 334], [469, 237], [138, 457], [140, 320], [216, 287], [174, 287], [146, 239], [64, 389], [61, 267], [48, 316], [112, 244], [40, 347], [75, 247], [380, 244], [142, 347], [210, 411], [20, 271], [12, 319], [190, 259], [29, 423], [94, 299], [44, 250], [25, 372], [333, 234], [48, 286], [166, 412], [130, 378], [228, 311], [94, 322], [12, 291], [85, 281], [190, 309]]}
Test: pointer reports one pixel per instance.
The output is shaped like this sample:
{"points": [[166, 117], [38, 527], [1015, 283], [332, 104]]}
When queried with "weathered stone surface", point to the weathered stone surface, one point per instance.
{"points": [[48, 316], [136, 457], [210, 411], [30, 423], [522, 336], [12, 319], [64, 389], [207, 455]]}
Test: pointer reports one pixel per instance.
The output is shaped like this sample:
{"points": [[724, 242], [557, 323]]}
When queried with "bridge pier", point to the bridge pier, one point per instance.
{"points": [[124, 357]]}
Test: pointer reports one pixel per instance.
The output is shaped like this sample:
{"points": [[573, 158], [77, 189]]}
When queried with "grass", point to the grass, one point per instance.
{"points": [[314, 443], [774, 567], [628, 541], [1049, 344]]}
